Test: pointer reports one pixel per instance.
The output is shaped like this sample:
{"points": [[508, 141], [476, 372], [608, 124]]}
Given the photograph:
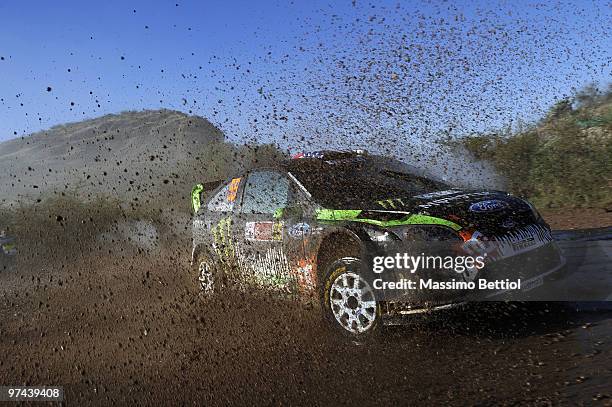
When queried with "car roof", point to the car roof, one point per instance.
{"points": [[329, 162]]}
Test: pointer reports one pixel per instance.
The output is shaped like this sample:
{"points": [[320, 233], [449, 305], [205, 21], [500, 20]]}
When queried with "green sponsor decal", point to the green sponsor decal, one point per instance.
{"points": [[222, 236], [429, 220], [353, 216], [391, 203], [337, 214], [278, 214], [195, 197]]}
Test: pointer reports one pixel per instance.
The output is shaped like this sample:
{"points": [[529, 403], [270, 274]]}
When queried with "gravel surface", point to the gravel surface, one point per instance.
{"points": [[125, 327]]}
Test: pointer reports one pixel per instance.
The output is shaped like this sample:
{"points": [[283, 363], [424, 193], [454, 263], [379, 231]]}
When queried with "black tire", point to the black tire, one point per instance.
{"points": [[347, 301], [208, 279]]}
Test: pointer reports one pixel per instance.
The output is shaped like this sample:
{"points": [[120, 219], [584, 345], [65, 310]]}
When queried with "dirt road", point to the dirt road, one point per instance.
{"points": [[123, 327]]}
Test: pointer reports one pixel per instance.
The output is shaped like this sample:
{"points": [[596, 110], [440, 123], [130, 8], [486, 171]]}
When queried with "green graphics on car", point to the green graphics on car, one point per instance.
{"points": [[408, 219]]}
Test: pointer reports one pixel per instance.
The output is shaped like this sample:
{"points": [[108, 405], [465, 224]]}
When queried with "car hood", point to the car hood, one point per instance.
{"points": [[487, 211]]}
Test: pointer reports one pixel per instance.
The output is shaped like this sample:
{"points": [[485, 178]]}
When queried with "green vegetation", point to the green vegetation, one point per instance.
{"points": [[565, 160]]}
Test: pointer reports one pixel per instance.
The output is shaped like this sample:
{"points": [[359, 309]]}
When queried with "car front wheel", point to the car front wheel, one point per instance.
{"points": [[348, 299]]}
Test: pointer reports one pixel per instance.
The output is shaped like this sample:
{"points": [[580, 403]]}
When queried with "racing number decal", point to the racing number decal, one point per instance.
{"points": [[233, 189]]}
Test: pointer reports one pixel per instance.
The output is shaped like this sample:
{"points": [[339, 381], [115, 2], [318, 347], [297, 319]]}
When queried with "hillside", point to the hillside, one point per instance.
{"points": [[130, 154]]}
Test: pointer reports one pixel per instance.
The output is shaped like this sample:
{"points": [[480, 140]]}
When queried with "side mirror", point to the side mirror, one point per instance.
{"points": [[196, 197]]}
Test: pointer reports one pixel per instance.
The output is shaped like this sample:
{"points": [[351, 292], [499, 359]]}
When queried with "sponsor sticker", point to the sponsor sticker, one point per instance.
{"points": [[299, 230], [308, 154], [263, 231], [393, 203], [522, 240]]}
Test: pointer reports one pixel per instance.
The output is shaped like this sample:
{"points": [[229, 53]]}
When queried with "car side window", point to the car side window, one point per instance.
{"points": [[224, 200], [265, 192]]}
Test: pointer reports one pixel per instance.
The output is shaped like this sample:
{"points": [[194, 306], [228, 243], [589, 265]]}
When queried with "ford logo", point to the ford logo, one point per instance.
{"points": [[493, 205]]}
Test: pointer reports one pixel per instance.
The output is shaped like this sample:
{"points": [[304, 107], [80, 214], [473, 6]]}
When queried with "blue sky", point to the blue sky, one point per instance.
{"points": [[301, 71]]}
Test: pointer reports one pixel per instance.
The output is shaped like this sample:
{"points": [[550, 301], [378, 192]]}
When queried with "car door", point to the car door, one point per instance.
{"points": [[213, 224], [266, 254]]}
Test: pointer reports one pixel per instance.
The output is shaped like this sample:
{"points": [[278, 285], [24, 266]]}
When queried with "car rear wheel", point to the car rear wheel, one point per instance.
{"points": [[348, 300]]}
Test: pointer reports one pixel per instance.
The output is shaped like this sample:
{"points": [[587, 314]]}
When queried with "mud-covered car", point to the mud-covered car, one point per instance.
{"points": [[301, 227]]}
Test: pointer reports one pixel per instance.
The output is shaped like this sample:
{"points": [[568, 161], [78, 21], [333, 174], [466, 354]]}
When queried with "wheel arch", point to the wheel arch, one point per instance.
{"points": [[341, 242]]}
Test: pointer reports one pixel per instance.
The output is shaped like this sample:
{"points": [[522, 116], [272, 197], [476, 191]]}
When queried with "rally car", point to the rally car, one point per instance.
{"points": [[300, 228]]}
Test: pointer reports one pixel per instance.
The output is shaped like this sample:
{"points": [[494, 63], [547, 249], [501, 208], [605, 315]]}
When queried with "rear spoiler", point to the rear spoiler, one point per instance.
{"points": [[198, 190]]}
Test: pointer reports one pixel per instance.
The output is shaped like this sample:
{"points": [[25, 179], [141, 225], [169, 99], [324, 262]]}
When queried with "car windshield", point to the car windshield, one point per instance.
{"points": [[357, 183]]}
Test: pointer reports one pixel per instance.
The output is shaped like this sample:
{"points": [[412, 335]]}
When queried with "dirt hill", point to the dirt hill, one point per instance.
{"points": [[131, 155]]}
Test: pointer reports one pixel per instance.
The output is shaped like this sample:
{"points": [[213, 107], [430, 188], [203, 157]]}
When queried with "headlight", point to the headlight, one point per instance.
{"points": [[381, 235]]}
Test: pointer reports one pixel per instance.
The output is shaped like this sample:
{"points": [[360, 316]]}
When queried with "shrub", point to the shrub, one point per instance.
{"points": [[563, 161]]}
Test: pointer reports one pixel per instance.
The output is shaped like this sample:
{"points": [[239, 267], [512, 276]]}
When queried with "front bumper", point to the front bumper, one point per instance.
{"points": [[534, 268]]}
